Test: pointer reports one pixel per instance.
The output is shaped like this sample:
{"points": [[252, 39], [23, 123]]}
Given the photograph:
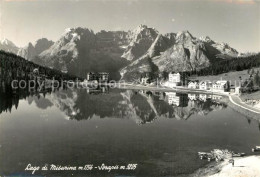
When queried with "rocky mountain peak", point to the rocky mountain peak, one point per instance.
{"points": [[7, 42], [206, 39], [75, 34], [8, 46], [32, 50], [184, 36], [142, 31], [42, 44], [140, 40], [30, 45]]}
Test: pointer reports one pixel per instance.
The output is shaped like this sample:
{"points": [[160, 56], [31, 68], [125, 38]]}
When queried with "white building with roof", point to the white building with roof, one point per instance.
{"points": [[221, 85], [174, 79], [193, 85], [205, 85]]}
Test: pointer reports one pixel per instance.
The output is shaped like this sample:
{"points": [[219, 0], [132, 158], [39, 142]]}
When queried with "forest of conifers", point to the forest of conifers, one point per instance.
{"points": [[15, 67], [224, 66]]}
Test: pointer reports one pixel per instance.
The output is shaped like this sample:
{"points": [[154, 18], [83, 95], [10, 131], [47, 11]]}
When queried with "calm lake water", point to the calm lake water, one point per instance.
{"points": [[161, 132]]}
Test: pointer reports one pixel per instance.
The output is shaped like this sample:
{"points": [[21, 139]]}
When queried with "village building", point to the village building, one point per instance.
{"points": [[193, 85], [91, 76], [221, 86], [238, 90], [174, 79], [145, 80], [102, 76], [232, 89], [205, 85]]}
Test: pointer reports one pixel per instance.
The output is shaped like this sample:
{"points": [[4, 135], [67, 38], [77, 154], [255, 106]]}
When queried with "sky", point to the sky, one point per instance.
{"points": [[236, 22]]}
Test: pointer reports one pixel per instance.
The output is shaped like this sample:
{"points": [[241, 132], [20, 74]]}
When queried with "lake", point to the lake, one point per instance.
{"points": [[161, 132]]}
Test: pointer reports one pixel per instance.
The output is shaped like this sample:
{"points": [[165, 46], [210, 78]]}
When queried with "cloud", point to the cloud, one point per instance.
{"points": [[173, 20]]}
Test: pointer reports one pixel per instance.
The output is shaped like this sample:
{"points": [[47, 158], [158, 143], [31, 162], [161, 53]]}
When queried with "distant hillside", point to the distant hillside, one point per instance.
{"points": [[231, 76], [13, 67], [234, 64]]}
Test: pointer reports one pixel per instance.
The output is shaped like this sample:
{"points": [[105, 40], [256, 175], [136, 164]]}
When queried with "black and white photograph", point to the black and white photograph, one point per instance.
{"points": [[130, 88]]}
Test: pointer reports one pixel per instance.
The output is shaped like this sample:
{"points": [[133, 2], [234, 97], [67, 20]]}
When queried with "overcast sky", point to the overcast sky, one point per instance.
{"points": [[236, 22]]}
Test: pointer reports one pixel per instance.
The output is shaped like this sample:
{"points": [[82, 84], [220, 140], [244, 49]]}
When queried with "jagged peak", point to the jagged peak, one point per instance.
{"points": [[139, 29], [206, 39], [184, 32], [182, 35], [170, 34], [42, 40], [142, 27], [75, 34], [78, 30], [30, 44], [7, 42], [224, 44]]}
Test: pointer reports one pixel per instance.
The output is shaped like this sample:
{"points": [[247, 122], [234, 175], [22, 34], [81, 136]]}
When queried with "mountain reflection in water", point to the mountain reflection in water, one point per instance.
{"points": [[49, 128], [141, 106]]}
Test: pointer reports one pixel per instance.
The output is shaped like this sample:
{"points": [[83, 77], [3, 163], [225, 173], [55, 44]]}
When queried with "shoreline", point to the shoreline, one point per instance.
{"points": [[179, 89], [248, 111], [235, 104], [243, 166]]}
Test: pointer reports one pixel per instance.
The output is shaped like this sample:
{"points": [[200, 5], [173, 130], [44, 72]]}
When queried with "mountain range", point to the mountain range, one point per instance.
{"points": [[125, 55]]}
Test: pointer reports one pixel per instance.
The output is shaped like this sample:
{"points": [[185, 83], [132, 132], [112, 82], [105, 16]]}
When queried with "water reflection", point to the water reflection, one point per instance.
{"points": [[182, 125], [140, 105]]}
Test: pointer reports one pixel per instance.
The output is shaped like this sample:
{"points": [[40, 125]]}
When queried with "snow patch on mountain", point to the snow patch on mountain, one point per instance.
{"points": [[8, 46]]}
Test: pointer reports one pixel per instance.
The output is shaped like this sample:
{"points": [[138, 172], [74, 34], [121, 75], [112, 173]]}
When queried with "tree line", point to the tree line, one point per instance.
{"points": [[13, 67], [227, 65]]}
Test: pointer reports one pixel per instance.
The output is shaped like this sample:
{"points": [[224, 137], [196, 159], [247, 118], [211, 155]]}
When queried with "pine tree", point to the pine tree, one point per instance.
{"points": [[257, 79]]}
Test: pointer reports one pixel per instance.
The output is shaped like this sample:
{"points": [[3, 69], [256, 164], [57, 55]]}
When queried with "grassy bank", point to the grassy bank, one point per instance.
{"points": [[251, 96]]}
